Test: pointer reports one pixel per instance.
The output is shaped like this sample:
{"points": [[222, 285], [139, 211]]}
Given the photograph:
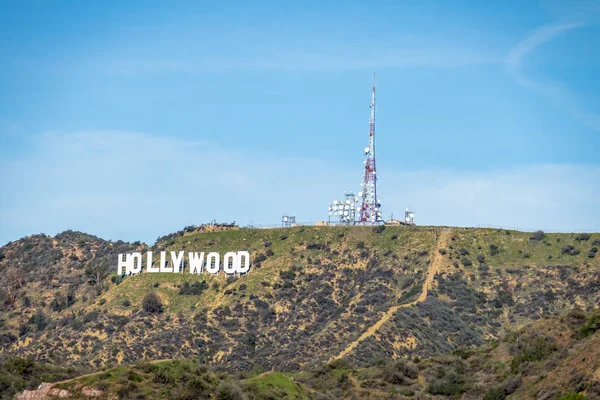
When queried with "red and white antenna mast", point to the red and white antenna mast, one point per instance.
{"points": [[370, 212]]}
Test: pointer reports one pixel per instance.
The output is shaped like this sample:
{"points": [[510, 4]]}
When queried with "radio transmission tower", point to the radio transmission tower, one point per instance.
{"points": [[370, 212]]}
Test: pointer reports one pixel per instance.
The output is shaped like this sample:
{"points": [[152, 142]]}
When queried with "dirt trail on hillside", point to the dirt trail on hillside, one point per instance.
{"points": [[437, 259]]}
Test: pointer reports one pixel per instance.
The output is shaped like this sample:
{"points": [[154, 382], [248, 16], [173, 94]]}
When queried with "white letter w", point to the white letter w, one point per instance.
{"points": [[196, 262]]}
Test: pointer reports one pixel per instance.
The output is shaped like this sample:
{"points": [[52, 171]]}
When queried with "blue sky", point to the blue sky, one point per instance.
{"points": [[130, 120]]}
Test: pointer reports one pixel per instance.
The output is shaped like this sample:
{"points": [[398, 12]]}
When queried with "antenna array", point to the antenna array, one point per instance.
{"points": [[370, 209]]}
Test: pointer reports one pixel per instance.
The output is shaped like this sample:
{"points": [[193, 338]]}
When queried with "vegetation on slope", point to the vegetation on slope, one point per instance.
{"points": [[311, 293], [554, 358], [18, 374]]}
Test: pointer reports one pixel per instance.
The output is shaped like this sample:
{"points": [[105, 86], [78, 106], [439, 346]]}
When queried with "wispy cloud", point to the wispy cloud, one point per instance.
{"points": [[136, 186], [556, 92], [536, 38], [325, 57], [310, 61]]}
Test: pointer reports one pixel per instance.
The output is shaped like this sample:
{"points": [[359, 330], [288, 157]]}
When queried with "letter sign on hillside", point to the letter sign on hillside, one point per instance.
{"points": [[234, 262], [243, 262], [122, 263], [213, 263], [230, 263], [135, 265], [195, 262]]}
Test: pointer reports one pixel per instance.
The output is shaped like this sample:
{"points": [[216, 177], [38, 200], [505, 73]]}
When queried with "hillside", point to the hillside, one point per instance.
{"points": [[359, 296], [555, 358]]}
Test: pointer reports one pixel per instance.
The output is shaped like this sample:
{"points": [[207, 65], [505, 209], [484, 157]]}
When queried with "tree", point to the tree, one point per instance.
{"points": [[10, 285], [152, 303], [95, 273], [61, 301], [8, 293], [16, 276]]}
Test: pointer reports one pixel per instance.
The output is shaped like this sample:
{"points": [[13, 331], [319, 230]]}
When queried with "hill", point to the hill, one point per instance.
{"points": [[554, 358], [364, 297]]}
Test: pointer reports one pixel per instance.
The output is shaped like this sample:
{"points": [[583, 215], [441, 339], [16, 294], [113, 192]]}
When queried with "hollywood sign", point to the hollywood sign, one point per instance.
{"points": [[233, 263]]}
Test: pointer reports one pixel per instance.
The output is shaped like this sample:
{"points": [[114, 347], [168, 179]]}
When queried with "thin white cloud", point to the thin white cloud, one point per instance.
{"points": [[556, 92], [376, 59], [135, 186], [286, 59], [515, 58]]}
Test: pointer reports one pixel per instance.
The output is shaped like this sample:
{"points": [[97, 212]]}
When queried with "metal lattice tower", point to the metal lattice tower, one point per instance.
{"points": [[288, 221], [370, 212]]}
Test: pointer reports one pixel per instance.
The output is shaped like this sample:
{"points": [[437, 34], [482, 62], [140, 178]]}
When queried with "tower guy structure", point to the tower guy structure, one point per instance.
{"points": [[370, 209]]}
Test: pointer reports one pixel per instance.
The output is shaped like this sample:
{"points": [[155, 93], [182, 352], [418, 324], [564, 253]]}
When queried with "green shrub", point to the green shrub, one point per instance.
{"points": [[162, 377], [532, 349], [39, 320], [494, 250], [538, 235], [195, 289], [583, 236], [448, 382], [229, 391], [17, 374], [340, 363], [129, 390], [591, 326], [91, 316], [449, 386], [379, 228], [152, 303], [133, 377], [411, 294], [197, 388], [495, 393], [570, 250], [259, 258], [572, 396], [511, 384], [287, 275]]}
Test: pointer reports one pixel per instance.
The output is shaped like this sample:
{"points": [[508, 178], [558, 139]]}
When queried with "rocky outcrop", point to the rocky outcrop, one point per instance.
{"points": [[47, 391], [44, 391]]}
